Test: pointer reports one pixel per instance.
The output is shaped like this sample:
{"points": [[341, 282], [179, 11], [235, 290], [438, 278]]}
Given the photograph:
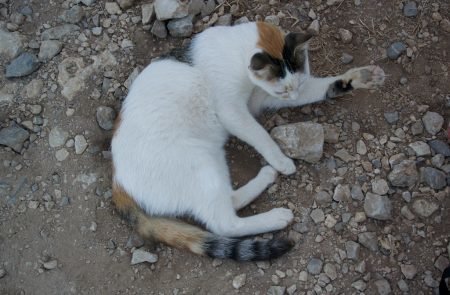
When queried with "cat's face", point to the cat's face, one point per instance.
{"points": [[280, 70]]}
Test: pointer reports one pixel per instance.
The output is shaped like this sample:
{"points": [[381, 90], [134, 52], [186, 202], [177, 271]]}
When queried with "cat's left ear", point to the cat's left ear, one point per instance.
{"points": [[295, 45]]}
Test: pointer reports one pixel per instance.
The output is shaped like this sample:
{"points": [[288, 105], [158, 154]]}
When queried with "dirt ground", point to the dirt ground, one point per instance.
{"points": [[60, 210]]}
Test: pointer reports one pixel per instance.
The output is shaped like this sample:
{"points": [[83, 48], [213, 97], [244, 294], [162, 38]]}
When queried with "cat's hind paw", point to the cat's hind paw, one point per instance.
{"points": [[279, 218], [369, 77]]}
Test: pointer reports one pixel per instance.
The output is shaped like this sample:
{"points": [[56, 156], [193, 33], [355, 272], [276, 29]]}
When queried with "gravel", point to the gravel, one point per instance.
{"points": [[11, 44], [404, 174], [420, 148], [410, 9], [440, 147], [424, 208], [171, 9], [14, 137], [380, 186], [23, 65], [408, 270], [433, 177], [383, 287], [346, 58], [49, 49], [369, 240], [377, 207], [105, 117], [57, 137], [141, 256], [239, 281], [391, 117], [433, 122], [314, 266], [395, 50], [352, 249]]}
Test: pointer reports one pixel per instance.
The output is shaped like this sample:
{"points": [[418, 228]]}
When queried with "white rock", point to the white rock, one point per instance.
{"points": [[148, 13], [169, 9], [239, 281], [420, 148], [140, 256], [11, 45], [361, 147], [61, 154], [80, 144], [113, 8], [57, 137]]}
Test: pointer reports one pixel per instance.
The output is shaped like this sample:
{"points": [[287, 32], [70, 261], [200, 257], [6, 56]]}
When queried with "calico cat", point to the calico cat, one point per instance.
{"points": [[167, 148]]}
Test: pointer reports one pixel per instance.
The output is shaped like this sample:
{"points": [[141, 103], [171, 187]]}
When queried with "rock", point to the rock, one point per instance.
{"points": [[420, 148], [424, 208], [331, 133], [404, 174], [48, 49], [125, 4], [132, 76], [330, 271], [196, 6], [438, 160], [417, 128], [10, 45], [380, 186], [57, 137], [440, 147], [49, 265], [241, 20], [80, 144], [330, 221], [135, 240], [357, 193], [170, 9], [181, 27], [302, 140], [317, 215], [73, 15], [112, 8], [346, 35], [391, 117], [383, 287], [224, 20], [140, 256], [433, 177], [239, 281], [361, 147], [359, 285], [126, 43], [322, 197], [441, 263], [13, 137], [105, 117], [23, 65], [58, 32], [403, 286], [272, 19], [314, 266], [433, 122], [341, 193], [407, 213], [2, 273], [159, 29], [61, 154], [148, 13], [377, 207], [346, 58], [410, 9], [303, 276], [445, 25], [292, 290], [97, 31], [314, 28], [87, 2], [369, 240], [352, 249], [276, 290], [395, 50], [344, 155], [408, 270]]}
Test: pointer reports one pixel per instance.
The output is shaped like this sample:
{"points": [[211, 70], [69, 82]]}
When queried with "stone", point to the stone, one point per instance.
{"points": [[440, 147], [140, 256], [380, 186], [132, 77], [208, 8], [341, 193], [441, 263], [224, 20], [303, 276], [314, 266], [361, 147], [404, 174], [359, 285], [420, 148], [330, 221], [430, 281], [13, 137], [49, 265], [417, 128], [58, 32], [80, 144], [317, 215], [344, 155], [322, 197], [395, 50], [407, 213], [57, 137], [377, 207], [357, 193], [410, 9], [346, 35], [383, 287], [403, 286], [369, 240], [148, 13], [11, 45], [105, 117], [352, 249], [314, 28], [424, 208], [391, 117], [74, 15], [408, 270], [112, 8], [292, 290], [302, 140], [433, 122], [97, 31], [61, 154], [125, 4], [49, 49], [434, 178], [23, 65], [331, 133], [135, 240], [239, 281], [88, 2], [272, 19], [170, 9], [181, 27], [330, 271], [445, 25], [196, 7], [2, 273], [241, 20], [276, 290], [346, 58]]}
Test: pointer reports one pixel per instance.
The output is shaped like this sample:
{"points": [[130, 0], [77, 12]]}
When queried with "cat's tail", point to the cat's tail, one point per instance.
{"points": [[185, 236]]}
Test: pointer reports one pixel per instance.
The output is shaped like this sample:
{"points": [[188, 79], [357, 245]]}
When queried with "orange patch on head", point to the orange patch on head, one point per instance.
{"points": [[271, 39]]}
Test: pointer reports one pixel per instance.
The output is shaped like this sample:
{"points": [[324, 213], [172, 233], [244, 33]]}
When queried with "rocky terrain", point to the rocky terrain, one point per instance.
{"points": [[371, 193]]}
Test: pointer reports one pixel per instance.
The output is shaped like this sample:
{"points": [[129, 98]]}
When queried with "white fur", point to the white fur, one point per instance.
{"points": [[168, 150]]}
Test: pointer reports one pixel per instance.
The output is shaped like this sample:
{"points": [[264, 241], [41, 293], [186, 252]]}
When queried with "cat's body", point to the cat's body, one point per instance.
{"points": [[168, 147]]}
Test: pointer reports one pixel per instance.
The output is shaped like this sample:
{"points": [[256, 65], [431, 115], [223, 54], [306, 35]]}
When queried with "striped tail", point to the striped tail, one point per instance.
{"points": [[185, 236]]}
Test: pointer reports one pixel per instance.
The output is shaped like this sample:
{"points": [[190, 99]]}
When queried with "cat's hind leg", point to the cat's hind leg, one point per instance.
{"points": [[250, 191]]}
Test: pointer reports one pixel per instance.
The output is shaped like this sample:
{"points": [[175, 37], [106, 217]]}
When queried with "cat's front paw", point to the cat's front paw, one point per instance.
{"points": [[269, 174], [284, 165], [369, 77], [280, 217]]}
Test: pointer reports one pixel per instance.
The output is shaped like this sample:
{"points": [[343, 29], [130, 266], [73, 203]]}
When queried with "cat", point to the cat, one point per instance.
{"points": [[168, 144]]}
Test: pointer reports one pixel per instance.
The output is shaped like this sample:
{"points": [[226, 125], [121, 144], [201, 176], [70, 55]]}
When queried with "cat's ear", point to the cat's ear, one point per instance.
{"points": [[265, 67], [295, 45]]}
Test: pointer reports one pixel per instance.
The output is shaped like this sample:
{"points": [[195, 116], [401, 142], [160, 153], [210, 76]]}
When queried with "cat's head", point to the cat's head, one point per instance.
{"points": [[279, 66]]}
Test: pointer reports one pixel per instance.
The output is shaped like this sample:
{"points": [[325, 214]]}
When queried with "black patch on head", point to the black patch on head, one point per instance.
{"points": [[293, 53], [274, 68], [181, 54], [338, 88]]}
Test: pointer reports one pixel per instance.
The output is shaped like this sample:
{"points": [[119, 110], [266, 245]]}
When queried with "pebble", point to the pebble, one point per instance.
{"points": [[346, 35], [331, 133], [57, 137], [272, 19], [344, 155], [140, 256], [420, 148], [88, 2], [80, 144], [112, 8], [239, 281], [377, 207], [417, 128], [380, 186], [352, 249], [359, 285], [408, 270], [433, 177], [424, 208], [404, 174], [441, 263], [276, 290], [341, 193], [314, 28], [52, 264], [391, 117], [383, 287], [148, 13], [433, 122], [172, 9], [330, 221], [330, 271], [317, 215], [445, 25], [73, 15], [407, 213], [23, 65], [357, 193], [369, 240], [13, 137], [346, 58], [224, 20], [302, 140], [314, 266], [61, 154], [361, 147], [49, 49], [2, 273], [430, 281], [58, 32], [395, 50], [125, 4], [403, 286], [182, 27], [97, 31], [292, 290], [440, 147], [11, 44], [303, 276], [410, 9], [323, 197], [105, 117]]}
